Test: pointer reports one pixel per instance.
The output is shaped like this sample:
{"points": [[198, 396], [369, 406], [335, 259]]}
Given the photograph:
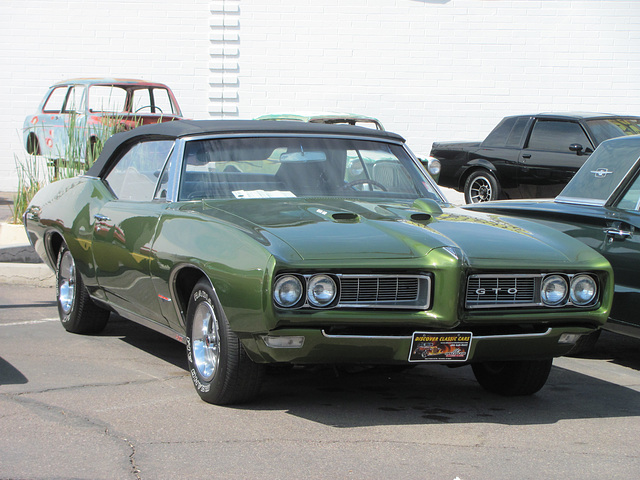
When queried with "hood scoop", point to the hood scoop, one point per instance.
{"points": [[420, 217], [345, 217]]}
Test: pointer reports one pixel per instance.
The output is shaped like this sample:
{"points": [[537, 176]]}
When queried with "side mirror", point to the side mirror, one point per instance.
{"points": [[579, 149], [576, 147]]}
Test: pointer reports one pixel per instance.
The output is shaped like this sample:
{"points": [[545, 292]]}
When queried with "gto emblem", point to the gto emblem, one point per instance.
{"points": [[601, 172], [483, 291]]}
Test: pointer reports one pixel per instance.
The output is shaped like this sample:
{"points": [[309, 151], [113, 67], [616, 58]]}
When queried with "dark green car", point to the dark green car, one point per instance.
{"points": [[600, 206], [259, 243]]}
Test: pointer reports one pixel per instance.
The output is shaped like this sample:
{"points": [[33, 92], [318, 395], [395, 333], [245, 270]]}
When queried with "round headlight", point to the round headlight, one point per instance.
{"points": [[583, 290], [554, 290], [321, 291], [355, 169], [287, 291], [433, 166]]}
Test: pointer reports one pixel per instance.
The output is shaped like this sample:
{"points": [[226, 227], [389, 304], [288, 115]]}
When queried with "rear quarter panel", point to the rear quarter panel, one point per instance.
{"points": [[65, 210]]}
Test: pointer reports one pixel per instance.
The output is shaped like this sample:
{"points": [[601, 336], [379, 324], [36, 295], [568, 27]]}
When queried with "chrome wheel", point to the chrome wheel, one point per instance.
{"points": [[67, 282], [480, 190], [206, 341], [481, 186]]}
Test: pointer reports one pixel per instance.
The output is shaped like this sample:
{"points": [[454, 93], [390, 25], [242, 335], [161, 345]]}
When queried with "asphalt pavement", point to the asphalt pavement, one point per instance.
{"points": [[121, 405]]}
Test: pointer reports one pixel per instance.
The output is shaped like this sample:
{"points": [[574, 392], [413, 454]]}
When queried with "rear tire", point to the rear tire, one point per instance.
{"points": [[78, 313], [481, 186], [221, 371], [513, 378], [33, 147]]}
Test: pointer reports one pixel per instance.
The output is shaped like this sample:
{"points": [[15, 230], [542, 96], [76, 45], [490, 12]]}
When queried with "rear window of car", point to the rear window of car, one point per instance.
{"points": [[604, 129], [508, 133]]}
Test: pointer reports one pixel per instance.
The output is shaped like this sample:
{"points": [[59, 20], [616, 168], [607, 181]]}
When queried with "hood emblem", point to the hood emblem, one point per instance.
{"points": [[601, 172]]}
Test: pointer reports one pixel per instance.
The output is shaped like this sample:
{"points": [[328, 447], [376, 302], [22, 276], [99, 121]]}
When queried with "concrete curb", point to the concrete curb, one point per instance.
{"points": [[34, 274]]}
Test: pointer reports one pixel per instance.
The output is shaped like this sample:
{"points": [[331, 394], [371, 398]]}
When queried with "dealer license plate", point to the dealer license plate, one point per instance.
{"points": [[440, 347]]}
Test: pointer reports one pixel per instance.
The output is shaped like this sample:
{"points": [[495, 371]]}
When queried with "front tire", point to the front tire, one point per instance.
{"points": [[78, 313], [481, 186], [221, 371], [513, 378]]}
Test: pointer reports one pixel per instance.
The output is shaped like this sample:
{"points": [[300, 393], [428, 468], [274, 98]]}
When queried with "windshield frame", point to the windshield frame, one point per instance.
{"points": [[604, 164], [181, 149]]}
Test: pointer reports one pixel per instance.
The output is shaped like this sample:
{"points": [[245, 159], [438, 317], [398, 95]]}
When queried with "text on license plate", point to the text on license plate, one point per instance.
{"points": [[440, 347]]}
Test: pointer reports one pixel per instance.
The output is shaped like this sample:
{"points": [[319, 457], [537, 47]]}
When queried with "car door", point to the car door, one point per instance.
{"points": [[547, 161], [124, 230], [621, 246], [50, 125]]}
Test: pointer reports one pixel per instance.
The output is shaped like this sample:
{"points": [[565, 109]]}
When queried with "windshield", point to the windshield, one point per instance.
{"points": [[281, 167], [604, 129], [601, 174]]}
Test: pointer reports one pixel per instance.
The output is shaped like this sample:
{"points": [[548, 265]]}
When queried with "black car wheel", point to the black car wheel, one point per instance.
{"points": [[513, 378], [481, 186], [78, 313], [221, 371], [33, 147]]}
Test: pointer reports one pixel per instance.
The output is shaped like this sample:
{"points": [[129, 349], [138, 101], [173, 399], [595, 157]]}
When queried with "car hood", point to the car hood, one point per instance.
{"points": [[342, 229]]}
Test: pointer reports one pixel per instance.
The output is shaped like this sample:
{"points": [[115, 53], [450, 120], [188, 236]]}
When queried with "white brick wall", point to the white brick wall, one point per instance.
{"points": [[429, 69], [42, 42], [436, 69]]}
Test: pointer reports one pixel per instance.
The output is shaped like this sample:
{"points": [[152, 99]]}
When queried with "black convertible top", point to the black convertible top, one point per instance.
{"points": [[185, 128]]}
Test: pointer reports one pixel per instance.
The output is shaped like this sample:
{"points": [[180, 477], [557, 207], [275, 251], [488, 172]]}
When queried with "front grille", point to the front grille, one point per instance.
{"points": [[383, 291], [485, 291]]}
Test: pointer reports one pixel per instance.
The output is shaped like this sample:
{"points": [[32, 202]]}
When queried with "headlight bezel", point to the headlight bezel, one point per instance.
{"points": [[277, 289], [307, 299], [317, 285], [580, 278], [571, 282], [559, 281]]}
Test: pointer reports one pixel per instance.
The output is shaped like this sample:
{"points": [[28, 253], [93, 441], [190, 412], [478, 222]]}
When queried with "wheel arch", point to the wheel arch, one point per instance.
{"points": [[32, 144], [182, 284], [474, 166], [53, 243]]}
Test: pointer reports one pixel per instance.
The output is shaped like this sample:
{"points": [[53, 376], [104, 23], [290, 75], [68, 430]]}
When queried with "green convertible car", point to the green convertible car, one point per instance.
{"points": [[258, 243]]}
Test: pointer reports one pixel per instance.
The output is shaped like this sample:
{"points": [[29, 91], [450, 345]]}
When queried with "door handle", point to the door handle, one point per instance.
{"points": [[619, 233], [526, 155], [101, 218]]}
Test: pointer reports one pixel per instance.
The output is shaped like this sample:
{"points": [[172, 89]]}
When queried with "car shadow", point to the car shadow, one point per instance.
{"points": [[426, 394], [147, 340], [615, 348], [10, 375], [437, 394]]}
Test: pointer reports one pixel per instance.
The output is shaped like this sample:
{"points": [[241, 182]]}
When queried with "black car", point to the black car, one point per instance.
{"points": [[600, 207], [527, 156]]}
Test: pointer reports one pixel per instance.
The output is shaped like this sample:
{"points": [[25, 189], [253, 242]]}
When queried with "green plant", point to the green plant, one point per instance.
{"points": [[31, 177], [82, 147]]}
